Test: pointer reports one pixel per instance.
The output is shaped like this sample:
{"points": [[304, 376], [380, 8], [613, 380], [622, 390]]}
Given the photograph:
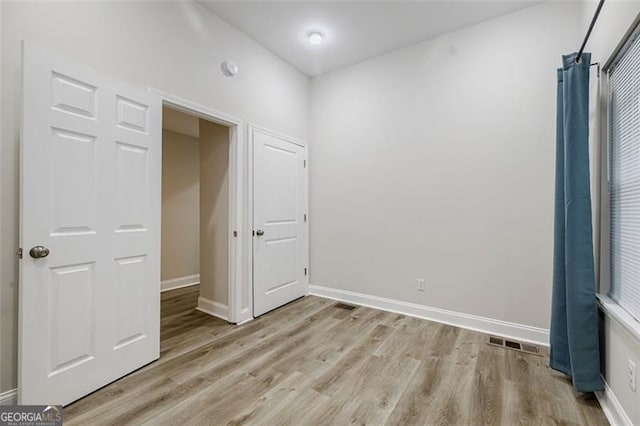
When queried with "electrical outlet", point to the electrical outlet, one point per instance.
{"points": [[632, 375], [420, 284]]}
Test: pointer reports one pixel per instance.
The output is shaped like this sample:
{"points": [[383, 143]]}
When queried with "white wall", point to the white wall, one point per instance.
{"points": [[173, 46], [619, 345], [180, 242], [437, 161]]}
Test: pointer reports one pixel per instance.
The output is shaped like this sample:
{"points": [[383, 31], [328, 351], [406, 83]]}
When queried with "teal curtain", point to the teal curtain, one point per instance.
{"points": [[574, 323]]}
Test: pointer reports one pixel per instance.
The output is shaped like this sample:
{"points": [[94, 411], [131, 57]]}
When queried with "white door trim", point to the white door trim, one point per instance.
{"points": [[239, 304], [251, 127]]}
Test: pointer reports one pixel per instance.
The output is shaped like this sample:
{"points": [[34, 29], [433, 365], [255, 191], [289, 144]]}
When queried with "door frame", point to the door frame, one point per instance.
{"points": [[251, 128], [239, 304]]}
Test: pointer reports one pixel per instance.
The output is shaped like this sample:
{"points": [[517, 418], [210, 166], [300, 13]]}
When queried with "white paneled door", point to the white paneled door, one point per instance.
{"points": [[90, 229], [280, 248]]}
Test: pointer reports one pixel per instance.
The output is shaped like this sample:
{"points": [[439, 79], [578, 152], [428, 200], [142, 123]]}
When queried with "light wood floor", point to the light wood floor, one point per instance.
{"points": [[313, 362]]}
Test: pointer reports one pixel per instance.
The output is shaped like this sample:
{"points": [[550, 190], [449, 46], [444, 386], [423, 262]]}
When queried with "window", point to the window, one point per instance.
{"points": [[624, 177]]}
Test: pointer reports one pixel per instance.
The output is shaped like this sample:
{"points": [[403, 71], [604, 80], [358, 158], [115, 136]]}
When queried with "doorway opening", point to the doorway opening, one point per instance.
{"points": [[224, 286], [195, 216]]}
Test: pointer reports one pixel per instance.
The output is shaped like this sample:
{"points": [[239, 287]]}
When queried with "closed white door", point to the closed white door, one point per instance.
{"points": [[279, 222], [89, 228]]}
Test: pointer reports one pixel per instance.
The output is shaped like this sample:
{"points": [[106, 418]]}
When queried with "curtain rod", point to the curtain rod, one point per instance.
{"points": [[586, 37]]}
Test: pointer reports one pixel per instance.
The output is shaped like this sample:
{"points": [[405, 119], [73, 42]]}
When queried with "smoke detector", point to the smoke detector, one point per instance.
{"points": [[229, 68]]}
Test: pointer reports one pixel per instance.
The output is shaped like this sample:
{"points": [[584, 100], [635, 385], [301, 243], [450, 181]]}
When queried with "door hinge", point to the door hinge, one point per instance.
{"points": [[235, 233], [305, 163], [19, 253], [305, 271], [305, 217]]}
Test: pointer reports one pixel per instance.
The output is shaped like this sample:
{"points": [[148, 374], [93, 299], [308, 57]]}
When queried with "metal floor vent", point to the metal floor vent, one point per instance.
{"points": [[345, 306], [515, 345]]}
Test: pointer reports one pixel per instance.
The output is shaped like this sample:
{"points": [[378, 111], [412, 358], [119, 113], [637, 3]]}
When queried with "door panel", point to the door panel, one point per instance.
{"points": [[71, 317], [130, 301], [279, 188], [131, 185], [73, 96], [73, 190], [90, 193]]}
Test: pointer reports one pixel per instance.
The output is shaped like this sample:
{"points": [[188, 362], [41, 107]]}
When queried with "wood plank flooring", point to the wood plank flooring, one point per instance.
{"points": [[313, 362]]}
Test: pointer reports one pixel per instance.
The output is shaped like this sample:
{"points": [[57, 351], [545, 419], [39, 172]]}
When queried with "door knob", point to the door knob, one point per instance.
{"points": [[259, 232], [38, 252]]}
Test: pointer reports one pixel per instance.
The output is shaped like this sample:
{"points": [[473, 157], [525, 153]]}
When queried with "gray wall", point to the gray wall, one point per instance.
{"points": [[214, 212], [180, 205], [436, 161]]}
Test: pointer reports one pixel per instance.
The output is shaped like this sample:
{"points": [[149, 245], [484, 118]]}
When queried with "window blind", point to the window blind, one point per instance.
{"points": [[624, 178]]}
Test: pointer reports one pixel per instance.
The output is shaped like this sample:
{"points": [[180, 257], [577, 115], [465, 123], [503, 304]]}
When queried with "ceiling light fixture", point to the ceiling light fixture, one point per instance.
{"points": [[315, 37]]}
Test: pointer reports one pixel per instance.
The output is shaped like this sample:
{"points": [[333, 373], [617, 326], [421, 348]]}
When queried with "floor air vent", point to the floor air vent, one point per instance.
{"points": [[533, 349], [515, 345], [345, 306], [496, 341]]}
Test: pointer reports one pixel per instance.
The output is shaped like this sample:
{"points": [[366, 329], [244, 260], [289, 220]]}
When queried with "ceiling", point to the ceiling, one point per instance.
{"points": [[354, 30]]}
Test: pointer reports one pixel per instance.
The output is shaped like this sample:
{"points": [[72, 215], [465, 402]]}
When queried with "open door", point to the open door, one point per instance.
{"points": [[89, 227], [279, 216]]}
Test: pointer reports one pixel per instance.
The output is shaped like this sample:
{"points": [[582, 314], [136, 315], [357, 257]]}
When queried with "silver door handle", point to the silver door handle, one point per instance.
{"points": [[38, 252], [259, 232]]}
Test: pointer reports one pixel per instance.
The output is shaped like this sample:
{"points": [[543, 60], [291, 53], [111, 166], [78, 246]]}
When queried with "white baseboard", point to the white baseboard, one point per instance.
{"points": [[612, 408], [213, 308], [515, 331], [9, 397], [179, 282]]}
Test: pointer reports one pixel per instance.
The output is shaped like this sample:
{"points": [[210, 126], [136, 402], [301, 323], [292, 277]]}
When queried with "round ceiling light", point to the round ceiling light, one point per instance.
{"points": [[315, 37]]}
